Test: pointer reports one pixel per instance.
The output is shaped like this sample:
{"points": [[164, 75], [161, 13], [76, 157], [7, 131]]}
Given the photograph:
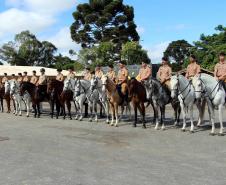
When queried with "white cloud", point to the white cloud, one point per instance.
{"points": [[140, 30], [44, 6], [14, 21], [62, 40], [155, 52]]}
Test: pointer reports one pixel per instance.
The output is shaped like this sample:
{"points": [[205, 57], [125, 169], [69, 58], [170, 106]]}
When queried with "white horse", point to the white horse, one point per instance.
{"points": [[97, 84], [18, 99], [83, 92], [184, 89], [208, 87]]}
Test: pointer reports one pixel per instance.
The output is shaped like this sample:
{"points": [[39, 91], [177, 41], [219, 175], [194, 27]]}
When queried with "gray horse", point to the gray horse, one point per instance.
{"points": [[160, 96]]}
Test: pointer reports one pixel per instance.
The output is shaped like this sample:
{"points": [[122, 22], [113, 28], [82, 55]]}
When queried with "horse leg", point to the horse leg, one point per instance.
{"points": [[129, 108], [163, 117], [135, 114], [141, 108], [112, 114], [91, 111], [35, 109], [69, 109], [57, 109], [107, 112], [184, 116], [191, 118], [201, 109], [2, 107], [156, 107], [220, 111], [20, 106], [116, 114], [38, 109], [212, 117], [28, 107], [52, 107], [95, 110]]}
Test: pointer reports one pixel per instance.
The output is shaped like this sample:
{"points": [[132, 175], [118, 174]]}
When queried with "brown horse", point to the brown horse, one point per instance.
{"points": [[137, 95], [38, 95], [66, 97], [114, 99], [54, 90]]}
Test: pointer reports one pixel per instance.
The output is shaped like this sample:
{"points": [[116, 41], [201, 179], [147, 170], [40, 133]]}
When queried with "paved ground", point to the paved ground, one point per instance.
{"points": [[55, 152]]}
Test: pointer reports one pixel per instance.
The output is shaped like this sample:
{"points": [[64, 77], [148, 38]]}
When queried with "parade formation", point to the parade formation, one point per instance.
{"points": [[113, 90]]}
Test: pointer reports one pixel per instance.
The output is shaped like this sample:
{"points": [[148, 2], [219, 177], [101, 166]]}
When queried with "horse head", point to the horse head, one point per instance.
{"points": [[13, 87], [174, 83], [7, 87], [93, 83], [199, 86]]}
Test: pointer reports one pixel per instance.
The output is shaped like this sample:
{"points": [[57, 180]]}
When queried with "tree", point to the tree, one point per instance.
{"points": [[133, 53], [208, 47], [27, 50], [103, 21], [178, 51]]}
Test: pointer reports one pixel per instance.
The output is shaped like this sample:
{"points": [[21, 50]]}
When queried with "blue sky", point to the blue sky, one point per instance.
{"points": [[159, 21]]}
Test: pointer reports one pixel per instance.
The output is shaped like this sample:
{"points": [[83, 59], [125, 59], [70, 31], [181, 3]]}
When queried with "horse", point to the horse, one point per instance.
{"points": [[55, 89], [114, 99], [96, 83], [184, 90], [37, 94], [15, 94], [83, 92], [159, 96], [209, 88], [137, 95]]}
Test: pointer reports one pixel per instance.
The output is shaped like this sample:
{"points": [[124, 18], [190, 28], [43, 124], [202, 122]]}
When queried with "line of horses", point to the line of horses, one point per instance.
{"points": [[184, 94]]}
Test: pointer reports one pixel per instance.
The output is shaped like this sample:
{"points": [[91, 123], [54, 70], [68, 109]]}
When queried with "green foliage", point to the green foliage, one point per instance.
{"points": [[27, 50], [133, 53], [208, 47], [103, 21], [178, 51]]}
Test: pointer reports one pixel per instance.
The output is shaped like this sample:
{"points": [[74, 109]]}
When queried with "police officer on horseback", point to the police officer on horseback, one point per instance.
{"points": [[220, 70], [145, 71]]}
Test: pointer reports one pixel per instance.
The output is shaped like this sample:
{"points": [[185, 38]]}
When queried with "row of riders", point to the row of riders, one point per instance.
{"points": [[119, 90]]}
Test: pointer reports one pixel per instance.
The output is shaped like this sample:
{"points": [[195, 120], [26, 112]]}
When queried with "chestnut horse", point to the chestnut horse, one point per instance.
{"points": [[114, 99], [54, 90], [137, 95]]}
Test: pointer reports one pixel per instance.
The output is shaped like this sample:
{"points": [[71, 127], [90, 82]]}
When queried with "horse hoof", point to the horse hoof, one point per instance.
{"points": [[70, 118], [163, 128], [56, 117], [112, 124], [156, 128], [116, 125], [220, 134], [27, 116], [20, 115], [192, 131], [212, 134], [90, 120], [183, 130], [144, 127], [134, 125]]}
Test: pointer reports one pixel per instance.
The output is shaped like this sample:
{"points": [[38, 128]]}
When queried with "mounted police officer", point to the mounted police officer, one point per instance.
{"points": [[5, 78], [71, 74], [87, 74], [111, 73], [34, 78], [193, 68], [25, 77], [220, 70], [98, 72], [122, 79], [59, 76], [145, 71], [19, 78], [42, 80], [164, 73]]}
